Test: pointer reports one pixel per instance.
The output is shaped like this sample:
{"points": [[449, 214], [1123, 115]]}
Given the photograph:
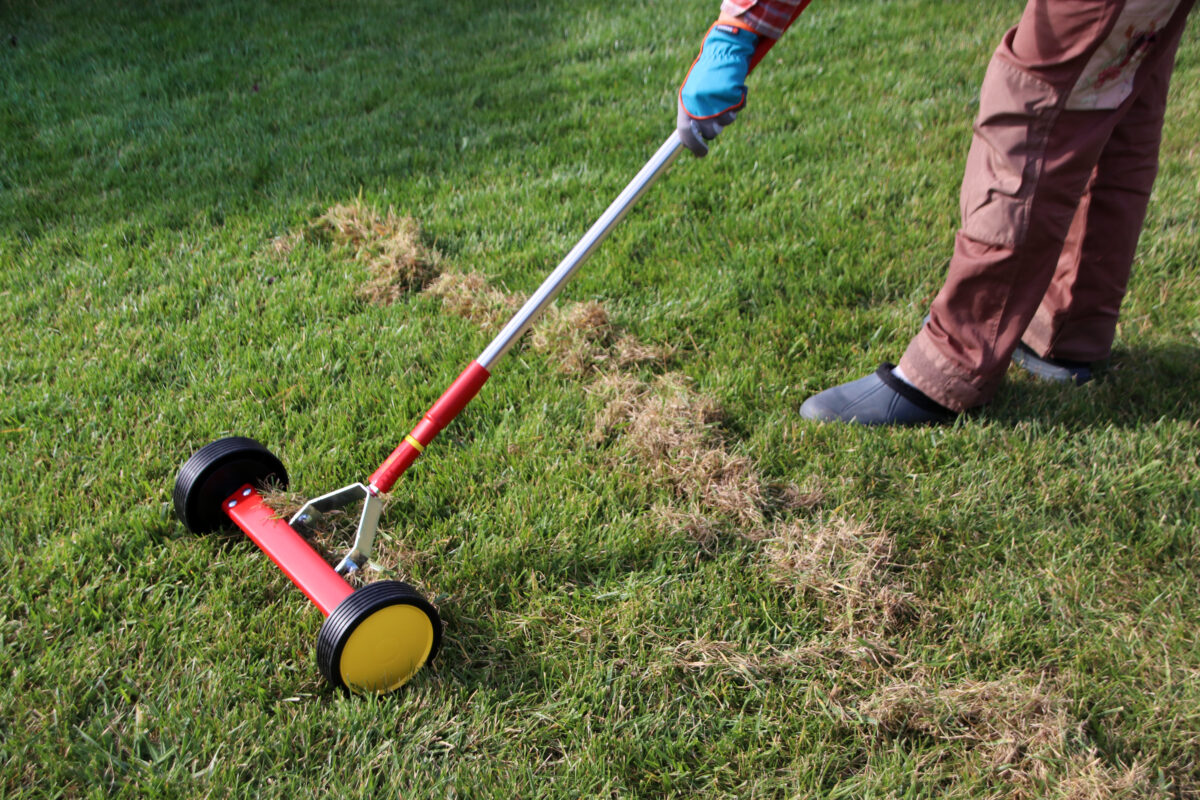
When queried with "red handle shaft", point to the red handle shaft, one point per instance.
{"points": [[448, 406], [288, 549]]}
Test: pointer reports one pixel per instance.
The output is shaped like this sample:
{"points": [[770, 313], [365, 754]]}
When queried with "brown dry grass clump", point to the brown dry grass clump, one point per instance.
{"points": [[583, 340], [710, 654], [330, 535], [620, 393], [671, 430], [1018, 729], [848, 566], [579, 336], [767, 660], [628, 352], [388, 244], [792, 498], [283, 502], [284, 244], [470, 296]]}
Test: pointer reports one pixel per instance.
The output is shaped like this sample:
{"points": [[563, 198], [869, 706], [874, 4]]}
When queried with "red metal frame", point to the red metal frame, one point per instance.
{"points": [[287, 548]]}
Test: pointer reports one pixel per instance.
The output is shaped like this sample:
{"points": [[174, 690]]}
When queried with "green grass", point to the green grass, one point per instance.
{"points": [[1045, 550]]}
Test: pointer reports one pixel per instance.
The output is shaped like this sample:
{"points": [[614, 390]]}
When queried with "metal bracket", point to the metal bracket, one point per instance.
{"points": [[368, 521]]}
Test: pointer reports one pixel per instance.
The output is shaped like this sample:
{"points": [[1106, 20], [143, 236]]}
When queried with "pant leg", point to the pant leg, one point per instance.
{"points": [[1077, 318], [1056, 88]]}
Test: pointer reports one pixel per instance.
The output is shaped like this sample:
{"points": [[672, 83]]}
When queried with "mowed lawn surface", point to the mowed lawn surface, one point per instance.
{"points": [[657, 581]]}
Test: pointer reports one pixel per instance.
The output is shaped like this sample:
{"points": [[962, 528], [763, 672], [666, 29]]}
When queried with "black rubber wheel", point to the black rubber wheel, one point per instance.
{"points": [[216, 471], [378, 638]]}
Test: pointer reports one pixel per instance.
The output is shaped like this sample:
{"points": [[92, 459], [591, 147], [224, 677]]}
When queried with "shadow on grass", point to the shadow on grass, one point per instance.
{"points": [[479, 651], [174, 114], [1143, 385]]}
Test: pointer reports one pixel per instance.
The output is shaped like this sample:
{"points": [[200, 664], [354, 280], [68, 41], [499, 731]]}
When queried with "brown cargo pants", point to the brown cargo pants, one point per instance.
{"points": [[1057, 181]]}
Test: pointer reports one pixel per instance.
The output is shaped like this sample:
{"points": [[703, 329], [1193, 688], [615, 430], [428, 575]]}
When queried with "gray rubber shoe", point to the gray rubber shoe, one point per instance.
{"points": [[878, 399], [1052, 369]]}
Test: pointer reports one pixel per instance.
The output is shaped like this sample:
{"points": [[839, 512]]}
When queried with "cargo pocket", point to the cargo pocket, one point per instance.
{"points": [[1016, 111]]}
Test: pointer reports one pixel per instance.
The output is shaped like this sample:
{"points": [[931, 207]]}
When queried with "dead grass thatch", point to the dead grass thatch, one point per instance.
{"points": [[331, 534], [1019, 729], [708, 654], [703, 530], [671, 430], [583, 341], [470, 296], [388, 244], [789, 497], [283, 245], [579, 336], [629, 352], [848, 566]]}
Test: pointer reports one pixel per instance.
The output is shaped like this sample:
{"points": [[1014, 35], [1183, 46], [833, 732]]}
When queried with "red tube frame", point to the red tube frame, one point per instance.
{"points": [[288, 549], [291, 553]]}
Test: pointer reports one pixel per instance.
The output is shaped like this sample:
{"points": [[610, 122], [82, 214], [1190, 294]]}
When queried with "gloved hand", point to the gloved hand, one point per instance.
{"points": [[715, 87]]}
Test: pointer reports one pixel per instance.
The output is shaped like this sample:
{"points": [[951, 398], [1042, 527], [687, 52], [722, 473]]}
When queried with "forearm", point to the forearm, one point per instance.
{"points": [[769, 18]]}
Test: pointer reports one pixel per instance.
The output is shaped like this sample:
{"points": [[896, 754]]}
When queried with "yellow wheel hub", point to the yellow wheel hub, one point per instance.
{"points": [[386, 649]]}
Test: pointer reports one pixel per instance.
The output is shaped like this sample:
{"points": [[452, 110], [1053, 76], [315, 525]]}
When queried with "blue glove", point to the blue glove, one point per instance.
{"points": [[715, 87]]}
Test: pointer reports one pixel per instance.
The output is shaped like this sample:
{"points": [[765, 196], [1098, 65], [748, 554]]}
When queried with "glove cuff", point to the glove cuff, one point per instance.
{"points": [[733, 22]]}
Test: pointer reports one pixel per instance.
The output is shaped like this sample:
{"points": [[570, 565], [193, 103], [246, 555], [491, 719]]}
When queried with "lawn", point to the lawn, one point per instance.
{"points": [[656, 580]]}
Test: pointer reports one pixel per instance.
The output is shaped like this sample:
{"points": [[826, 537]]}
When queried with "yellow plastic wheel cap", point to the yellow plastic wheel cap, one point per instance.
{"points": [[386, 649], [378, 637]]}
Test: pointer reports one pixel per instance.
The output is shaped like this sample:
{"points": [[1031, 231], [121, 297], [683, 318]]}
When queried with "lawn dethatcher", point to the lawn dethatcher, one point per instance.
{"points": [[375, 638]]}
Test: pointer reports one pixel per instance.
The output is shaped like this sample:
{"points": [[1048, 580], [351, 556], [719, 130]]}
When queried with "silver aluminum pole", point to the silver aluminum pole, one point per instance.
{"points": [[550, 288]]}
